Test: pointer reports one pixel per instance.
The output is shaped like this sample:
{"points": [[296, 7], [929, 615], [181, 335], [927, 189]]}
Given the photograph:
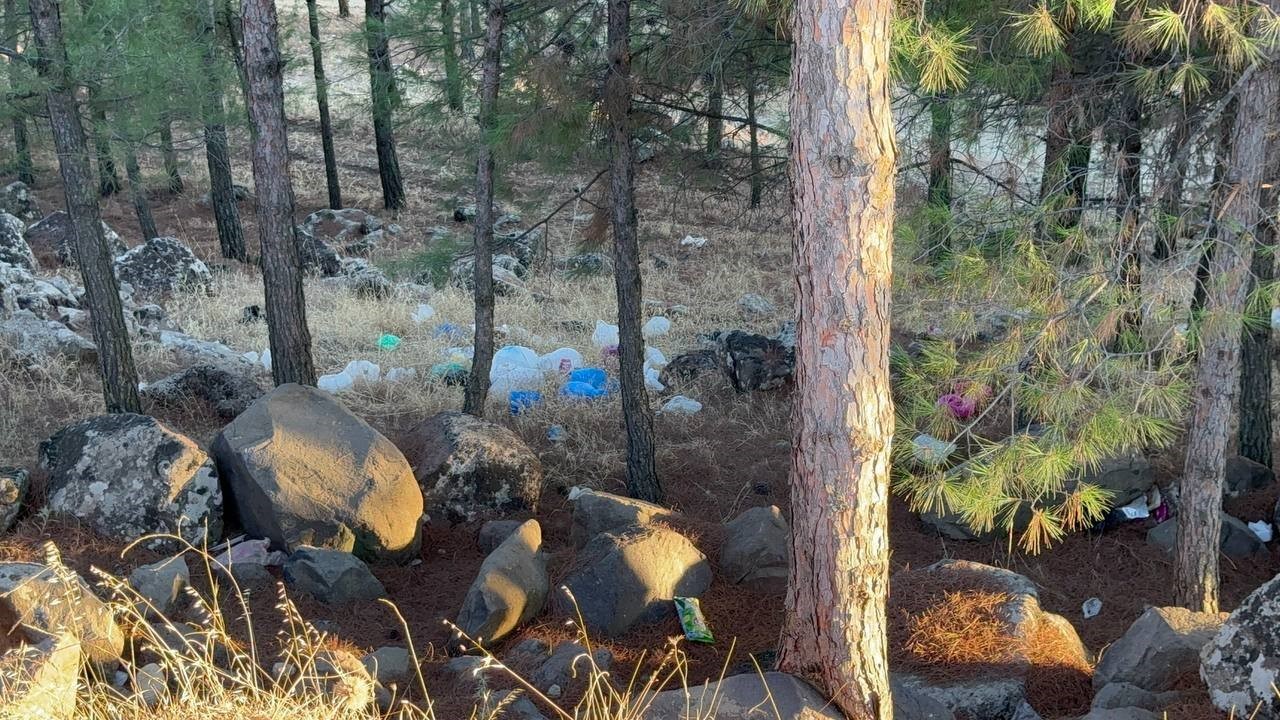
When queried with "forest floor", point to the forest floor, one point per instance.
{"points": [[733, 455]]}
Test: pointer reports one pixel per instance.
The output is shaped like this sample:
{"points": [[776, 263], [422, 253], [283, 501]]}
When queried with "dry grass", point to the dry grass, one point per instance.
{"points": [[964, 628]]}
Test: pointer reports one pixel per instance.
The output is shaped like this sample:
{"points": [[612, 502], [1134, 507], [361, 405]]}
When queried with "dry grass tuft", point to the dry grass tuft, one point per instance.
{"points": [[964, 628]]}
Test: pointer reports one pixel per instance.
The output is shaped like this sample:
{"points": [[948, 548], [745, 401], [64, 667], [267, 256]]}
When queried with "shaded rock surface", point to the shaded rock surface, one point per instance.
{"points": [[510, 588], [18, 200], [1235, 537], [756, 549], [160, 266], [42, 601], [14, 483], [1162, 645], [1241, 663], [228, 389], [13, 246], [52, 237], [744, 696], [333, 577]]}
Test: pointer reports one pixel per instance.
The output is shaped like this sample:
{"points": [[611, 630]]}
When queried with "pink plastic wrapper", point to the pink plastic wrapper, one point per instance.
{"points": [[1161, 513], [961, 407], [566, 366]]}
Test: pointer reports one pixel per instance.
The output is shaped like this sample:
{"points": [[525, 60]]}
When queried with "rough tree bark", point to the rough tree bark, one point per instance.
{"points": [[21, 150], [642, 472], [222, 192], [173, 177], [842, 171], [477, 393], [1239, 214], [715, 112], [138, 194], [290, 339], [102, 292], [322, 101], [383, 94], [939, 188], [1255, 352], [108, 177], [452, 74]]}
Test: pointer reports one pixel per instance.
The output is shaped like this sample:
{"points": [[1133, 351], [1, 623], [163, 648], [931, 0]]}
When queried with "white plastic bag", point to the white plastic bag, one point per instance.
{"points": [[1262, 529], [396, 374], [657, 326], [651, 380], [265, 359], [550, 362], [505, 378], [1091, 608], [604, 335], [516, 356], [335, 383], [653, 358], [693, 241], [681, 405], [363, 370], [423, 313]]}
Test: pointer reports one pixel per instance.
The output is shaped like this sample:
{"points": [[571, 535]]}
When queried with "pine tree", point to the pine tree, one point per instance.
{"points": [[384, 96], [138, 193], [452, 73], [222, 193], [22, 152], [322, 102]]}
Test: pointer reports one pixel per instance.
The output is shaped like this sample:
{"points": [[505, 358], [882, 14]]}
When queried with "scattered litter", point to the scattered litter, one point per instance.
{"points": [[651, 380], [450, 373], [929, 450], [505, 378], [1136, 510], [240, 551], [423, 313], [389, 341], [961, 406], [610, 351], [604, 335], [1091, 608], [335, 383], [578, 390], [363, 370], [458, 354], [555, 361], [516, 356], [450, 332], [595, 377], [251, 356], [653, 358], [692, 621], [693, 241], [1161, 513], [657, 326], [520, 401], [1154, 499], [265, 358], [555, 433], [576, 492], [681, 405], [1262, 529], [396, 374]]}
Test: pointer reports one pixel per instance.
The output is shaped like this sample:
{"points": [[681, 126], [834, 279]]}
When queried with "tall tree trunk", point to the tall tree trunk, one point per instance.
{"points": [[753, 133], [1129, 207], [22, 151], [322, 101], [471, 29], [231, 24], [138, 194], [383, 92], [106, 316], [344, 8], [939, 190], [173, 178], [715, 112], [642, 472], [452, 74], [1068, 149], [1255, 352], [290, 339], [1221, 165], [1218, 364], [477, 392], [108, 177], [842, 171], [222, 192]]}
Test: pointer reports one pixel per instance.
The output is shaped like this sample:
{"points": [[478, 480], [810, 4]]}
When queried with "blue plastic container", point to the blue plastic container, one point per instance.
{"points": [[519, 401]]}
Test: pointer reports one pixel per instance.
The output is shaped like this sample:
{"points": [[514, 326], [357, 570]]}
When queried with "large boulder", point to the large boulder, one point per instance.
{"points": [[43, 297], [14, 482], [507, 275], [226, 388], [331, 576], [1241, 663], [1235, 538], [510, 588], [756, 551], [42, 601], [317, 256], [53, 237], [595, 512], [159, 585], [162, 265], [13, 246], [771, 696], [1243, 476], [36, 341], [1162, 645], [469, 468], [629, 576], [128, 476], [755, 362], [300, 469], [38, 681], [689, 367], [17, 200]]}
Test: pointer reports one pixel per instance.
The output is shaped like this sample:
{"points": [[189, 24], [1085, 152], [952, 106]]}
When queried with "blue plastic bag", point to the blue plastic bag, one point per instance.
{"points": [[578, 390], [519, 401], [595, 377]]}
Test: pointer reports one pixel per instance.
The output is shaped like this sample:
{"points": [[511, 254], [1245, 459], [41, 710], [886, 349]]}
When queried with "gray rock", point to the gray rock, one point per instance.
{"points": [[356, 231], [17, 199], [162, 265], [36, 341], [773, 696], [527, 654], [1129, 713], [14, 483], [469, 468], [302, 470], [317, 256], [43, 601], [1162, 645], [389, 665], [13, 247], [1242, 475], [150, 684], [365, 280], [1126, 478], [510, 588], [567, 663], [239, 192], [756, 551], [1236, 539], [909, 704], [160, 585], [187, 350], [517, 706], [128, 476], [628, 577], [39, 680], [43, 297], [755, 304], [493, 532], [227, 389], [1241, 663], [991, 697], [592, 263], [1119, 695], [755, 362], [595, 512], [1026, 712], [689, 367], [507, 275], [52, 236], [331, 576]]}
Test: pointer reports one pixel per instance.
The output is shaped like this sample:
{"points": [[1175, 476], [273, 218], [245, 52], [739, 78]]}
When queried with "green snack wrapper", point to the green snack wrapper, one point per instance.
{"points": [[691, 620], [389, 342]]}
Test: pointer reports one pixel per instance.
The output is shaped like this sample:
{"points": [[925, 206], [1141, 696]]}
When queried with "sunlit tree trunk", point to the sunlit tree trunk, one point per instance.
{"points": [[290, 339], [1217, 375], [217, 153], [842, 171], [322, 102], [383, 95], [642, 473], [138, 194], [102, 292], [477, 392], [452, 74]]}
